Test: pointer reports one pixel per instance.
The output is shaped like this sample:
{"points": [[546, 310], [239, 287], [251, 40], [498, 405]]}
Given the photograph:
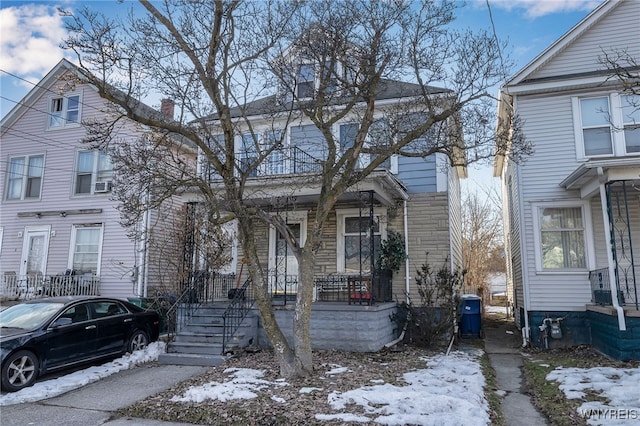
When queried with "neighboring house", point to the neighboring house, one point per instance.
{"points": [[59, 228], [572, 209], [418, 198]]}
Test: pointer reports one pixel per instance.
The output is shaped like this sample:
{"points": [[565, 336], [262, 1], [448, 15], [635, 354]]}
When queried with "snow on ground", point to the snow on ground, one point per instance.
{"points": [[496, 309], [54, 387], [619, 386], [449, 391]]}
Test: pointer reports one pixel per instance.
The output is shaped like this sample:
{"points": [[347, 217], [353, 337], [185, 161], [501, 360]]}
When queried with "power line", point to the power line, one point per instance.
{"points": [[495, 36], [41, 87]]}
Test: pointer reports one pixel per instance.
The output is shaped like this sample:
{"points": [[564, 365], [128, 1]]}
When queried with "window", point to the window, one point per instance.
{"points": [[305, 81], [380, 137], [275, 162], [596, 130], [108, 309], [631, 122], [248, 155], [94, 172], [64, 111], [85, 253], [348, 134], [562, 238], [354, 240], [607, 125], [216, 143], [24, 179]]}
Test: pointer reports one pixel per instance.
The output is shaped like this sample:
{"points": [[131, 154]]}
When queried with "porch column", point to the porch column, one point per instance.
{"points": [[622, 326]]}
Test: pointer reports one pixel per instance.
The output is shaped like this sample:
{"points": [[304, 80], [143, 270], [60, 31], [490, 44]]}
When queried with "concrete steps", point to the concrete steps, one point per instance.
{"points": [[200, 342]]}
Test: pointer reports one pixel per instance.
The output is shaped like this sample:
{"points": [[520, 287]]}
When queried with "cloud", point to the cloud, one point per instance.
{"points": [[538, 8], [30, 39]]}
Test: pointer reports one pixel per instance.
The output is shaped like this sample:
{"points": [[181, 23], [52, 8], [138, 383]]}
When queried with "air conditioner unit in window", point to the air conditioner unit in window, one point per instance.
{"points": [[104, 186]]}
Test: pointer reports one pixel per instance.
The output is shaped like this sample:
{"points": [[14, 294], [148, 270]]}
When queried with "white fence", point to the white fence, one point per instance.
{"points": [[24, 287]]}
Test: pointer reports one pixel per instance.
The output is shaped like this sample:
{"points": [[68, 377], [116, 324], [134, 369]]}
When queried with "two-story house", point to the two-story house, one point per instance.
{"points": [[59, 226], [415, 197], [572, 210]]}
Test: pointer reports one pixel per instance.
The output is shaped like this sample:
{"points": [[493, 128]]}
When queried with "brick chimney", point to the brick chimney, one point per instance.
{"points": [[166, 107]]}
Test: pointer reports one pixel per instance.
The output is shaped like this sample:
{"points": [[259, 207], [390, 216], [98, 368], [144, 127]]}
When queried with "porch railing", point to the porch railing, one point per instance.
{"points": [[198, 288], [24, 287], [241, 301], [601, 288], [355, 288]]}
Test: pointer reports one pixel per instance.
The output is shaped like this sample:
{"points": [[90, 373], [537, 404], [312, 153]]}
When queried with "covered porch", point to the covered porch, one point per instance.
{"points": [[615, 186]]}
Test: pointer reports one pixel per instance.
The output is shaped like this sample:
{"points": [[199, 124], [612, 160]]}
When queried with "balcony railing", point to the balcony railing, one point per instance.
{"points": [[292, 160], [24, 287]]}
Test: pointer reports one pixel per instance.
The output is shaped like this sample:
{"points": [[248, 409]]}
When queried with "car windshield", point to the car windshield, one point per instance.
{"points": [[28, 315]]}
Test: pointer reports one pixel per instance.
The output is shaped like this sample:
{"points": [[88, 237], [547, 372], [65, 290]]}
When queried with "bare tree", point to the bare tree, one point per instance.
{"points": [[220, 59], [624, 67], [481, 238]]}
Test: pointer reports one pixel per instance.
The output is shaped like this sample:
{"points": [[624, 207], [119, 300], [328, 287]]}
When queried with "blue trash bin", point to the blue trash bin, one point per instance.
{"points": [[471, 319]]}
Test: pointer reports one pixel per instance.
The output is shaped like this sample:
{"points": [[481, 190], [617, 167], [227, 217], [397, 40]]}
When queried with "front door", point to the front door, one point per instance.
{"points": [[34, 259], [283, 264], [34, 251]]}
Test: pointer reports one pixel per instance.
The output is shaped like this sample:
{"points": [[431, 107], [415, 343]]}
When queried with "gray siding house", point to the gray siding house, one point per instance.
{"points": [[417, 197], [59, 227], [572, 210]]}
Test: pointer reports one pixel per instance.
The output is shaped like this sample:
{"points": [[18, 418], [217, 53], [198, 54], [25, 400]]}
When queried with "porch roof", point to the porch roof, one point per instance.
{"points": [[587, 176], [386, 188]]}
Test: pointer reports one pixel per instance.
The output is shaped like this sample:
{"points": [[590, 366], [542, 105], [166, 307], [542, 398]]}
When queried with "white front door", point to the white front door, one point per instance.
{"points": [[34, 251], [283, 265]]}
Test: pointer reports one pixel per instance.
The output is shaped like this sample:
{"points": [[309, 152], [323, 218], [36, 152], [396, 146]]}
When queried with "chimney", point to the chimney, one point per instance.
{"points": [[166, 107]]}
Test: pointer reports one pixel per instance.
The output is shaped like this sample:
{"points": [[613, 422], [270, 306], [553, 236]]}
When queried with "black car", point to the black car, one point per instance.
{"points": [[50, 334]]}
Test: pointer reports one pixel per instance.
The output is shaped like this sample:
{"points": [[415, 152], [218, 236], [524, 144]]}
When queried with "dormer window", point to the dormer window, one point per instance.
{"points": [[64, 111], [305, 81]]}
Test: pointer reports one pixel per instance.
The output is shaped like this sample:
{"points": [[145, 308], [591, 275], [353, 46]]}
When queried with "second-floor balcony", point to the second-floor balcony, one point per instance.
{"points": [[283, 161], [290, 170]]}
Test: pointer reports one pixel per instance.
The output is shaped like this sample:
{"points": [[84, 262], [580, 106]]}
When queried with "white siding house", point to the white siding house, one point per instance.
{"points": [[60, 227], [581, 185]]}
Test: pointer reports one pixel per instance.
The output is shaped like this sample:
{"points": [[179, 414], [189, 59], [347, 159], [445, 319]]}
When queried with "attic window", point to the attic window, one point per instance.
{"points": [[64, 111], [305, 81]]}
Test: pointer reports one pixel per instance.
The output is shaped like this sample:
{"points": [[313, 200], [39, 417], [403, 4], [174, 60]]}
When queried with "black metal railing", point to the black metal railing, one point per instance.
{"points": [[601, 288], [241, 301], [282, 288], [281, 161], [355, 288], [33, 286], [198, 288]]}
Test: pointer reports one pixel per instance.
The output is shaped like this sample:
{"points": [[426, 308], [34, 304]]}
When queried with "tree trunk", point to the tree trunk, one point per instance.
{"points": [[302, 321], [283, 352]]}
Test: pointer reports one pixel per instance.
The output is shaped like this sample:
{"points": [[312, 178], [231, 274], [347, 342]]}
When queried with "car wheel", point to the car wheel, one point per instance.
{"points": [[139, 340], [19, 371]]}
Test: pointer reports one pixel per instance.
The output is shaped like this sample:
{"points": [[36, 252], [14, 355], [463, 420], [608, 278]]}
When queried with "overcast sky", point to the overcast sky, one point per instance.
{"points": [[31, 31]]}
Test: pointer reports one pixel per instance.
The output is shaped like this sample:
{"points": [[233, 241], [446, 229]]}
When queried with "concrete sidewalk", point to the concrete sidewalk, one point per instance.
{"points": [[95, 403], [503, 345]]}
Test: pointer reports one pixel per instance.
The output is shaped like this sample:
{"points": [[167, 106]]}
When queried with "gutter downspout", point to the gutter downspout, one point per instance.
{"points": [[406, 251], [144, 253], [622, 326], [526, 330], [406, 274]]}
